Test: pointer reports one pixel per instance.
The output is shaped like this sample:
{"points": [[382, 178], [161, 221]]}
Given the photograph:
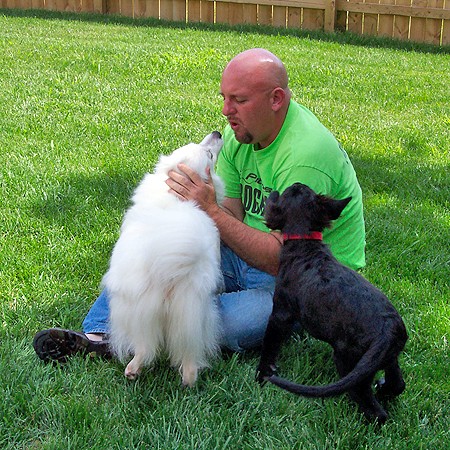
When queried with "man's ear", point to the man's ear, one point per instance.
{"points": [[278, 96]]}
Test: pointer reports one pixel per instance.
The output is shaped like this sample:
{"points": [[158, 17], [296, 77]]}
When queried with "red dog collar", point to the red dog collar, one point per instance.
{"points": [[315, 236]]}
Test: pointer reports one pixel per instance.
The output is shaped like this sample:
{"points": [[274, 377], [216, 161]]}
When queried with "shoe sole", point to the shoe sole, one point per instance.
{"points": [[57, 344]]}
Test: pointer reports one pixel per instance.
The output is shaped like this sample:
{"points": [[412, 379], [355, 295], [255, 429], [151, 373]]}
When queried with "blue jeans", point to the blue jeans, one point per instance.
{"points": [[245, 305]]}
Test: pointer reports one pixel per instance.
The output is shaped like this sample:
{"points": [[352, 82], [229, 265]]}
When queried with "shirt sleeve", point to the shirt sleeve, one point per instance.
{"points": [[317, 180]]}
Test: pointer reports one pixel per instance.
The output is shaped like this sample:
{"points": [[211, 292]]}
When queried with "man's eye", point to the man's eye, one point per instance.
{"points": [[241, 100]]}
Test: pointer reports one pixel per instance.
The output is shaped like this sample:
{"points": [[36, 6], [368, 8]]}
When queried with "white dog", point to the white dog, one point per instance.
{"points": [[165, 270]]}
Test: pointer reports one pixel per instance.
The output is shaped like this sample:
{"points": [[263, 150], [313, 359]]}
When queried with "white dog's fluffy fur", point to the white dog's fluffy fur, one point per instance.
{"points": [[165, 270]]}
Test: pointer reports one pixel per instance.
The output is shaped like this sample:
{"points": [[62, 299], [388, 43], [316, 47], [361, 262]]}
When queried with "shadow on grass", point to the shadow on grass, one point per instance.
{"points": [[406, 210], [410, 179], [346, 37], [80, 197]]}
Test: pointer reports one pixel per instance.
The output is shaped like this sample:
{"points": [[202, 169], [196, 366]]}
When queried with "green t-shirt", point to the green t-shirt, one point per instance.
{"points": [[304, 151]]}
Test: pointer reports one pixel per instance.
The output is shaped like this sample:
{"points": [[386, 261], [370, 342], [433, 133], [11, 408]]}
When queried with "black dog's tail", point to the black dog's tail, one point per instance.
{"points": [[366, 366]]}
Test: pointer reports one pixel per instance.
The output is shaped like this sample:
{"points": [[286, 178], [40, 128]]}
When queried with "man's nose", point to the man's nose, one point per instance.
{"points": [[227, 108]]}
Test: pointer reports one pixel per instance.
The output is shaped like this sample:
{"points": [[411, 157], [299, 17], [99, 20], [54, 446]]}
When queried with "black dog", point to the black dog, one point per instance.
{"points": [[333, 303]]}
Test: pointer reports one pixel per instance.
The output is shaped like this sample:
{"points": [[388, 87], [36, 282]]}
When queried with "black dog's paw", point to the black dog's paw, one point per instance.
{"points": [[380, 383], [385, 391], [264, 373]]}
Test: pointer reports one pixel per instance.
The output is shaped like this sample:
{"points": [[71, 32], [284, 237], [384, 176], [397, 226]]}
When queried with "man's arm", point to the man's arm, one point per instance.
{"points": [[257, 248]]}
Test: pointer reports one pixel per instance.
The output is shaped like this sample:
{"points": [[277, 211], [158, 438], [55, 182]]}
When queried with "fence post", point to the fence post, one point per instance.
{"points": [[330, 15]]}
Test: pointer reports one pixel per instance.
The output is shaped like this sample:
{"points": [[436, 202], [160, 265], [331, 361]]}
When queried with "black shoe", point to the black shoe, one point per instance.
{"points": [[57, 344]]}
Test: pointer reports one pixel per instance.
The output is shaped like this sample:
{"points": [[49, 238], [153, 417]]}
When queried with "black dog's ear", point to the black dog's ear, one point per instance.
{"points": [[337, 206], [272, 211], [273, 197], [333, 208]]}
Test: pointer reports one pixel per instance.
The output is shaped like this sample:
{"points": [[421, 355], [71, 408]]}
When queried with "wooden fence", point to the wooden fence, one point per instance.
{"points": [[416, 20]]}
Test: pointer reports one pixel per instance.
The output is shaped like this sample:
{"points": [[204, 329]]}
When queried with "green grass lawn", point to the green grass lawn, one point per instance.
{"points": [[86, 107]]}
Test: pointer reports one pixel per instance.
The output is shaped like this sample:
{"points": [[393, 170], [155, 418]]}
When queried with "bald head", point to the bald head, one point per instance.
{"points": [[256, 96], [258, 67]]}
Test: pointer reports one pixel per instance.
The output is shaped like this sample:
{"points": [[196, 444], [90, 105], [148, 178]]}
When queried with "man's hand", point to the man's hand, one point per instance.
{"points": [[190, 186], [257, 248]]}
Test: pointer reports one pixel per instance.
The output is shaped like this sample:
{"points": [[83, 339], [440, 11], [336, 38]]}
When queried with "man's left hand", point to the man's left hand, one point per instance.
{"points": [[188, 185]]}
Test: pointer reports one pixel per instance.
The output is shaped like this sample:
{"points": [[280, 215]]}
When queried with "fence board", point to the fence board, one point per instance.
{"points": [[313, 19], [113, 6], [385, 22], [341, 18], [401, 23], [207, 8], [222, 12], [235, 14], [166, 9], [417, 24], [50, 4], [126, 8], [426, 29], [251, 14], [370, 23], [279, 16], [329, 17], [179, 10], [150, 8], [98, 6], [395, 9], [81, 5], [200, 11], [22, 4], [194, 11], [445, 38], [71, 5], [355, 21], [294, 17], [265, 14], [139, 9], [433, 26]]}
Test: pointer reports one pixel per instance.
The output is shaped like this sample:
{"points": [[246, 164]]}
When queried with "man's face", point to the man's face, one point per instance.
{"points": [[247, 106]]}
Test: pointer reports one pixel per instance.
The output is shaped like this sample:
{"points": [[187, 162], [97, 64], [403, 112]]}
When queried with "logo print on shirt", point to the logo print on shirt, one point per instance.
{"points": [[254, 197]]}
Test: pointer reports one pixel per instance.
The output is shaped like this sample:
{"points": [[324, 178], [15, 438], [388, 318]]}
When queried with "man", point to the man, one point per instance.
{"points": [[270, 142]]}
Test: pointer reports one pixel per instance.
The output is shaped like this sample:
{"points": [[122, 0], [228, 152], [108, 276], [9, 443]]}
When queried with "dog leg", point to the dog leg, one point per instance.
{"points": [[362, 394], [393, 384], [368, 404], [134, 367], [189, 372], [278, 330]]}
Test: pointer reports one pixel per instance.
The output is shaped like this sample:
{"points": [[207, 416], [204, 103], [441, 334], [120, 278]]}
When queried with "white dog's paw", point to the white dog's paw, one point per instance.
{"points": [[189, 374], [131, 375], [133, 369]]}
